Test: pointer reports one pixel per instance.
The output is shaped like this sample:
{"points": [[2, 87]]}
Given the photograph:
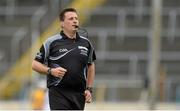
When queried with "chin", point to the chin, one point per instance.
{"points": [[75, 30]]}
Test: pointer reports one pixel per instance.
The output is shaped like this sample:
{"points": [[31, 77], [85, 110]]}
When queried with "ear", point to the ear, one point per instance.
{"points": [[62, 24]]}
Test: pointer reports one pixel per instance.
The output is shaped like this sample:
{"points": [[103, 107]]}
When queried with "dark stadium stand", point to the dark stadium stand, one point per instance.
{"points": [[121, 29]]}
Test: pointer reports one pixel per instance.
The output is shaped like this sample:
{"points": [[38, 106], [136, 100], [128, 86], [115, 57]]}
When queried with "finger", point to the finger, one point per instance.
{"points": [[61, 72], [62, 69], [88, 98], [87, 95], [88, 101], [60, 76]]}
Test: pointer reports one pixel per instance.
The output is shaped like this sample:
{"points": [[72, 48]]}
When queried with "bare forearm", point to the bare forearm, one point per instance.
{"points": [[90, 75], [38, 67]]}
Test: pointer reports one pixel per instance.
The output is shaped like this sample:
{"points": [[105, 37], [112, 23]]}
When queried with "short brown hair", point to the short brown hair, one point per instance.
{"points": [[62, 13]]}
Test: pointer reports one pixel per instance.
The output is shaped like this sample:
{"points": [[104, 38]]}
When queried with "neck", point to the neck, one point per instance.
{"points": [[70, 35]]}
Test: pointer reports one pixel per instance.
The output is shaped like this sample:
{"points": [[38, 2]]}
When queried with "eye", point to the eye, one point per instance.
{"points": [[76, 18], [71, 18]]}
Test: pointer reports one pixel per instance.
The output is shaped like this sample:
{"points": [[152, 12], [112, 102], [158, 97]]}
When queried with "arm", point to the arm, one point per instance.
{"points": [[43, 69], [39, 67], [90, 80], [90, 75]]}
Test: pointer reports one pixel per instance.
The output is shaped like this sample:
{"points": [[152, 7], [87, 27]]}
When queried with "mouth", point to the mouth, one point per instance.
{"points": [[75, 26]]}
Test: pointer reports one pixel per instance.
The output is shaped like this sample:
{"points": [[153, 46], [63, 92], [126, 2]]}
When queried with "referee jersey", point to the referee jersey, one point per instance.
{"points": [[71, 54]]}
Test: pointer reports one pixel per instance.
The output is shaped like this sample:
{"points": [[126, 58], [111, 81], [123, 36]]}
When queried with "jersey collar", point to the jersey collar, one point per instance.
{"points": [[64, 36]]}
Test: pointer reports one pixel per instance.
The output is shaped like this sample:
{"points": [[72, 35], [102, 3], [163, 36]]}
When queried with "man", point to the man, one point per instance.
{"points": [[68, 61]]}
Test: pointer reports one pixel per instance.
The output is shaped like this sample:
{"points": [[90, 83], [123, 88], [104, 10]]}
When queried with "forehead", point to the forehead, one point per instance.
{"points": [[70, 14]]}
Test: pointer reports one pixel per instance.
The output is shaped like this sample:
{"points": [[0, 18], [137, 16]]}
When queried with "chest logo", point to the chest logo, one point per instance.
{"points": [[83, 50], [63, 50], [81, 47]]}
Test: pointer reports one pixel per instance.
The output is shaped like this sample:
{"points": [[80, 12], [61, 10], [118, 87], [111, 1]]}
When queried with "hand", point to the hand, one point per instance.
{"points": [[58, 72], [88, 96]]}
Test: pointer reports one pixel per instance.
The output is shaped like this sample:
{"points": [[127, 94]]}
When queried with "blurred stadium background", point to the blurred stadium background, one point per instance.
{"points": [[122, 32]]}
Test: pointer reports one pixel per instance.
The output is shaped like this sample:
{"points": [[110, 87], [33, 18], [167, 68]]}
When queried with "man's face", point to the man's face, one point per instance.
{"points": [[70, 21]]}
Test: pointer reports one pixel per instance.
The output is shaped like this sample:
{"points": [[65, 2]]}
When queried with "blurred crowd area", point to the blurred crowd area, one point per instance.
{"points": [[120, 31]]}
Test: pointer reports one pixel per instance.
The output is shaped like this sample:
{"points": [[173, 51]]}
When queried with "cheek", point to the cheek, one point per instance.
{"points": [[68, 24]]}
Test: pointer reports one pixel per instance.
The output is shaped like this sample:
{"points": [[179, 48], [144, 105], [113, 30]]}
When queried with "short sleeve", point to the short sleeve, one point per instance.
{"points": [[43, 54], [92, 55], [40, 56]]}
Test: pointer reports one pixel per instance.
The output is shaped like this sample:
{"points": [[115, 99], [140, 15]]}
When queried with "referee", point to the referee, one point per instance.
{"points": [[68, 61]]}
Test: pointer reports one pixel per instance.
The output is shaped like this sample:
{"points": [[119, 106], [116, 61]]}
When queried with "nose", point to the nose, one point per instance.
{"points": [[75, 21]]}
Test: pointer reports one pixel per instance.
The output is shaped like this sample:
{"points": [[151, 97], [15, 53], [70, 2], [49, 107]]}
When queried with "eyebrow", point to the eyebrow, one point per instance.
{"points": [[73, 17]]}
